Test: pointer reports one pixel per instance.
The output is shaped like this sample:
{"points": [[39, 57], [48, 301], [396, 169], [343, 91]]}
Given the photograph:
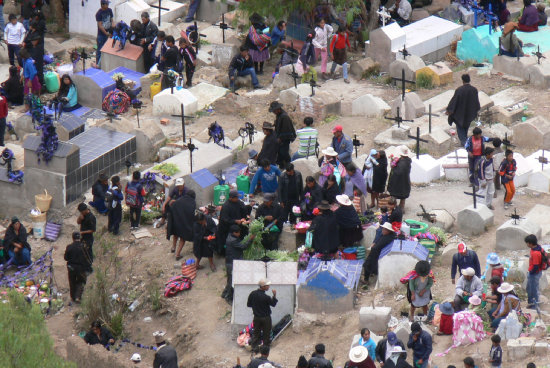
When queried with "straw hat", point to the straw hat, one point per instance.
{"points": [[329, 151], [357, 354], [505, 288], [343, 200], [403, 150], [475, 300], [159, 336], [388, 226], [263, 282], [468, 271], [493, 259]]}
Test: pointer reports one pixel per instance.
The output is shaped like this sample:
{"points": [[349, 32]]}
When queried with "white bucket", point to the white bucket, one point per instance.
{"points": [[65, 69], [38, 229], [405, 228]]}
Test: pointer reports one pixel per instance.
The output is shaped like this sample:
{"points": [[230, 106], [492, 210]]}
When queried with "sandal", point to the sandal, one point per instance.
{"points": [[178, 258]]}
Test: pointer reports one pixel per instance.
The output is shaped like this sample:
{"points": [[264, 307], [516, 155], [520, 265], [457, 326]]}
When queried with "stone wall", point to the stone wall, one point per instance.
{"points": [[94, 356]]}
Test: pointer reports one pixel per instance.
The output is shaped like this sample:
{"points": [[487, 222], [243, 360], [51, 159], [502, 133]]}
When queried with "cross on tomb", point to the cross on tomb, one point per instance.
{"points": [[418, 140], [159, 7], [223, 26], [183, 116], [405, 53], [543, 160], [191, 147], [137, 105], [295, 76], [431, 217], [356, 144], [474, 195], [476, 9], [429, 113], [403, 83], [247, 131], [111, 116], [457, 157], [398, 119], [514, 216], [539, 55], [383, 13], [491, 17], [506, 142], [313, 84]]}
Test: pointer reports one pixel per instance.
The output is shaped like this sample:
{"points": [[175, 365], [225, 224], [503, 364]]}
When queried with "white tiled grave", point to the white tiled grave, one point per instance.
{"points": [[429, 35], [425, 169], [453, 168]]}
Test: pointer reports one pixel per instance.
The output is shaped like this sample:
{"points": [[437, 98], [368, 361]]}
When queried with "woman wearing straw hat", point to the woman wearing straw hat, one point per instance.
{"points": [[510, 302], [371, 263], [399, 184], [331, 165], [420, 288], [476, 307], [348, 220], [510, 45], [397, 359], [359, 358]]}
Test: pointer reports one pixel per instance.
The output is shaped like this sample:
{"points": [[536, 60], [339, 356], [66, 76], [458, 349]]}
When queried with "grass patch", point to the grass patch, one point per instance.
{"points": [[424, 80], [373, 71], [329, 119], [465, 65]]}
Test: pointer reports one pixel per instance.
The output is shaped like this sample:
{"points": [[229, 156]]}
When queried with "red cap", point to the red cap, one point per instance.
{"points": [[462, 248], [337, 128]]}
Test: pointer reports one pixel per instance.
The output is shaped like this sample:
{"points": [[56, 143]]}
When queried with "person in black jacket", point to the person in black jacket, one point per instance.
{"points": [[399, 184], [262, 359], [149, 32], [379, 177], [233, 212], [318, 359], [290, 191], [261, 309], [166, 356], [98, 191], [240, 66], [12, 88], [325, 230], [285, 132], [189, 57], [311, 196], [371, 263], [99, 335], [183, 214], [349, 224], [384, 347], [78, 266], [331, 189], [270, 147], [234, 248], [204, 231], [16, 245], [273, 214]]}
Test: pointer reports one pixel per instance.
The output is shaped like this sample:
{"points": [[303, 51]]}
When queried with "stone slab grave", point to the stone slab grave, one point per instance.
{"points": [[512, 66], [214, 35], [375, 318], [534, 163], [77, 163], [441, 74], [207, 94], [246, 275], [440, 102], [211, 11], [384, 43], [175, 10], [540, 181], [521, 349], [328, 287], [519, 269], [222, 55], [308, 167], [51, 46], [411, 64], [363, 67], [369, 106], [398, 258], [474, 221], [534, 133], [425, 169], [93, 86], [538, 74], [322, 104], [130, 57], [510, 235], [395, 136], [439, 142], [509, 104], [539, 215], [208, 156], [168, 103], [410, 108]]}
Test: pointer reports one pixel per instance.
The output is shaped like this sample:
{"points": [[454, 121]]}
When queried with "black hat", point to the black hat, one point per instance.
{"points": [[274, 106], [267, 126], [234, 194], [76, 235], [256, 18], [422, 268], [302, 362], [82, 207], [324, 205]]}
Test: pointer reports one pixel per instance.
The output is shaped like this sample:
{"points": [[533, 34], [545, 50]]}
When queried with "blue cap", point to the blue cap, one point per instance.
{"points": [[252, 153], [373, 152], [392, 338]]}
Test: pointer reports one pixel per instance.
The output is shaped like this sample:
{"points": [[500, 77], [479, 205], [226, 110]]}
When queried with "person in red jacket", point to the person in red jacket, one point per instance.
{"points": [[535, 270], [3, 115], [338, 51], [446, 321]]}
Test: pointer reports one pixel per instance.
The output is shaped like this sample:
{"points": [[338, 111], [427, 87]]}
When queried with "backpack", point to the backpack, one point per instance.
{"points": [[132, 195], [543, 260], [109, 198]]}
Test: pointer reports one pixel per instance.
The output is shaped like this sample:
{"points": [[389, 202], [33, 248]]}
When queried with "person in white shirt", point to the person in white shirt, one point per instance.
{"points": [[323, 32], [14, 34], [401, 11]]}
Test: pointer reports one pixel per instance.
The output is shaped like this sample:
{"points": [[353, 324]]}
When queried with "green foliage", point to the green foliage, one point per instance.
{"points": [[373, 71], [155, 296], [440, 233], [424, 80], [167, 168], [24, 341], [256, 249]]}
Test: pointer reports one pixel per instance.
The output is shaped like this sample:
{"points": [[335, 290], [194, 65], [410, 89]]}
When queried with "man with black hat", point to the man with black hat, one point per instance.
{"points": [[262, 359], [87, 223], [234, 248], [270, 147], [233, 212], [78, 265], [105, 24], [285, 132], [421, 344], [261, 308], [273, 216]]}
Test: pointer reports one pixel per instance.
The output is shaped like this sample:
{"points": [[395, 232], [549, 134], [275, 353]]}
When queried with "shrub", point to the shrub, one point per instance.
{"points": [[424, 80]]}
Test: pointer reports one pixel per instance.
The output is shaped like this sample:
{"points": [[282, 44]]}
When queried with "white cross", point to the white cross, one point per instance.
{"points": [[383, 13]]}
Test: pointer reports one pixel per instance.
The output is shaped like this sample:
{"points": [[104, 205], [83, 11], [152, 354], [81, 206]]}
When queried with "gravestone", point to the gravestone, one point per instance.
{"points": [[455, 165], [512, 66], [146, 81], [308, 167], [440, 73], [175, 10], [385, 43], [362, 67], [534, 132], [92, 87], [510, 235], [523, 171], [290, 96], [129, 10], [51, 46], [246, 275], [398, 258], [369, 106], [166, 103], [375, 319], [411, 65], [131, 57], [538, 75], [222, 55], [410, 108], [474, 221], [202, 182], [539, 215], [82, 17], [207, 94], [439, 142], [425, 169], [540, 181]]}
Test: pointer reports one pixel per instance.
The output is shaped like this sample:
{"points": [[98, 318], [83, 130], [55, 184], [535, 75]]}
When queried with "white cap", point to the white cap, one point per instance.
{"points": [[180, 181], [159, 336], [136, 358]]}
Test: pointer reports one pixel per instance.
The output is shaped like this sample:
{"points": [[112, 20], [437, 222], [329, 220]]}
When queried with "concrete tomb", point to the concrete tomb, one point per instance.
{"points": [[510, 235], [474, 221], [385, 42], [534, 132], [440, 73], [362, 67], [524, 169], [425, 169], [308, 167], [540, 181], [539, 215], [410, 108], [410, 65], [512, 66], [369, 106], [440, 102], [398, 258], [168, 103], [375, 319], [131, 57], [207, 94]]}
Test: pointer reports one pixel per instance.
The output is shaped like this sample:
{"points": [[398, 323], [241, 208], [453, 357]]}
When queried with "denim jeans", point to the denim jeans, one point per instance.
{"points": [[101, 39], [533, 288], [2, 23], [26, 23], [2, 130], [21, 258], [344, 69], [462, 134], [13, 52], [248, 71], [193, 7]]}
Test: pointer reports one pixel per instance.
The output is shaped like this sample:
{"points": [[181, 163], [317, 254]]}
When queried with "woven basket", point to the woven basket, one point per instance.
{"points": [[39, 218], [43, 201]]}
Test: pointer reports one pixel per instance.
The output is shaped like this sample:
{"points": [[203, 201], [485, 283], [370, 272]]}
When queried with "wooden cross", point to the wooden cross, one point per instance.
{"points": [[543, 161], [398, 119], [182, 115], [474, 195], [403, 82], [137, 106], [514, 216], [539, 55], [418, 140], [159, 7], [295, 76], [505, 142], [191, 147], [313, 84], [223, 26], [429, 113]]}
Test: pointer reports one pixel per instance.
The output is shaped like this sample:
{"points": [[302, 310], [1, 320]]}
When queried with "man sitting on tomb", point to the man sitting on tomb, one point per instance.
{"points": [[529, 21], [242, 65], [467, 286], [510, 44], [463, 108], [401, 12]]}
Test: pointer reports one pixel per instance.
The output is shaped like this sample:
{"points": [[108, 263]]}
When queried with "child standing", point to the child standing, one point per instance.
{"points": [[14, 34], [31, 83], [323, 32], [338, 51], [115, 196], [486, 177], [157, 48], [187, 54], [507, 171], [495, 355]]}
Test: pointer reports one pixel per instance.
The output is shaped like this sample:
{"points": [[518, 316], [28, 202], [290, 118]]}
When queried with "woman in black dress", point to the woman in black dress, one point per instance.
{"points": [[399, 184], [348, 222], [204, 230], [331, 189], [379, 177]]}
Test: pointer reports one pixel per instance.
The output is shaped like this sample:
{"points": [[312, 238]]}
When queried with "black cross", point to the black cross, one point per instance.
{"points": [[418, 140], [405, 52], [223, 26], [183, 116], [431, 217], [403, 82], [313, 84], [356, 143], [128, 166], [543, 160], [137, 106], [474, 195], [514, 216], [191, 147], [430, 118], [159, 7], [506, 142], [111, 116], [293, 75], [195, 37], [539, 55], [247, 131], [398, 119]]}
